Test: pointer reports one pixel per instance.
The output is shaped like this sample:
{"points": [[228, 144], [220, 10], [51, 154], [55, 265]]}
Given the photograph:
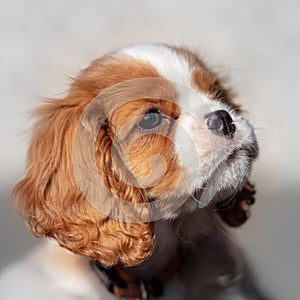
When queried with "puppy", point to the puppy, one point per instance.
{"points": [[133, 176]]}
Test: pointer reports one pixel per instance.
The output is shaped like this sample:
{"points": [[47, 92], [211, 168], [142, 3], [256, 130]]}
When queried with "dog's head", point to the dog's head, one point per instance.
{"points": [[146, 132]]}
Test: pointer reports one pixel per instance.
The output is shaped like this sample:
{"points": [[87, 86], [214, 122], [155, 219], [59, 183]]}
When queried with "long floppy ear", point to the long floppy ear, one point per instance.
{"points": [[236, 210], [54, 206]]}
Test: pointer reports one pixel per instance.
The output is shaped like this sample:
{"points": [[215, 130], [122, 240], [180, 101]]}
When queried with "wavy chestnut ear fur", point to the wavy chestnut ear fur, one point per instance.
{"points": [[236, 210], [49, 198]]}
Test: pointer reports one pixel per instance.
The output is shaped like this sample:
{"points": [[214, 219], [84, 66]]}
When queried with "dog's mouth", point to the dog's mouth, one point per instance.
{"points": [[251, 152], [239, 159], [233, 155]]}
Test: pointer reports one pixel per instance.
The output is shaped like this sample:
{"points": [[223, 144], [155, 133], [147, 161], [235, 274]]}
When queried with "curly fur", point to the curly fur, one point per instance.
{"points": [[49, 198]]}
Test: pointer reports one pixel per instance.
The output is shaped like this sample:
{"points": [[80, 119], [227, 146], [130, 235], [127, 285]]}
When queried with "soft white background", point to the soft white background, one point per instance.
{"points": [[256, 43]]}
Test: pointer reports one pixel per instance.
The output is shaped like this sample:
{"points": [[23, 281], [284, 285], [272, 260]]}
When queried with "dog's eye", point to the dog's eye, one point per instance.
{"points": [[150, 120]]}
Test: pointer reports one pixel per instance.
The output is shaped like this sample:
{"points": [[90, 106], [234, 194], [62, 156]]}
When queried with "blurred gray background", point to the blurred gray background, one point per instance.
{"points": [[256, 43]]}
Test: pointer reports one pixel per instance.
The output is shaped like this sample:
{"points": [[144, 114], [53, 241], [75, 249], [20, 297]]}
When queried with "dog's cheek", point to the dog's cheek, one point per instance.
{"points": [[153, 160]]}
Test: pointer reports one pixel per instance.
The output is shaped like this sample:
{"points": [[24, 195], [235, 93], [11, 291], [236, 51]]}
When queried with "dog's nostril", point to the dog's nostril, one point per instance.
{"points": [[220, 122]]}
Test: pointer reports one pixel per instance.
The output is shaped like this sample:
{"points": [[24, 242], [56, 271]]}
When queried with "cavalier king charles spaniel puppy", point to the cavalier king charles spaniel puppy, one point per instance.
{"points": [[134, 176]]}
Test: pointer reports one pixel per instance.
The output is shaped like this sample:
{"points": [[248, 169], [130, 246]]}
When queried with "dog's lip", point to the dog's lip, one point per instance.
{"points": [[235, 154], [251, 152]]}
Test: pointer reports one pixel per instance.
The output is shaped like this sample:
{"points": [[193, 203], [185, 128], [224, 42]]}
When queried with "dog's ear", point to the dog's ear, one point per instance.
{"points": [[53, 204], [236, 210]]}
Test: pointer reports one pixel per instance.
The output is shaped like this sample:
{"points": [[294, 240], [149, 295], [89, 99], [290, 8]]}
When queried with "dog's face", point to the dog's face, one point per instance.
{"points": [[147, 132]]}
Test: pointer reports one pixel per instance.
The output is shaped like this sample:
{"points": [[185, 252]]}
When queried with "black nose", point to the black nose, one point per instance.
{"points": [[220, 122]]}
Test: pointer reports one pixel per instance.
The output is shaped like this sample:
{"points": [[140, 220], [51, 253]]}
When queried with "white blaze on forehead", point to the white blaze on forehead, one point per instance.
{"points": [[174, 67], [166, 61]]}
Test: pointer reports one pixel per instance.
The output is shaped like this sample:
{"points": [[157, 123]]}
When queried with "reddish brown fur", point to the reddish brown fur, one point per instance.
{"points": [[48, 196], [144, 146], [205, 80]]}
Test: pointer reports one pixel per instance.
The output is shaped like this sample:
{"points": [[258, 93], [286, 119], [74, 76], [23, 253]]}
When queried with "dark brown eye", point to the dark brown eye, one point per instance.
{"points": [[150, 120]]}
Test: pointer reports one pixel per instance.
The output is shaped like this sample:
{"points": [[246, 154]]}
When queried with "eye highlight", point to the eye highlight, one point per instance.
{"points": [[150, 120]]}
